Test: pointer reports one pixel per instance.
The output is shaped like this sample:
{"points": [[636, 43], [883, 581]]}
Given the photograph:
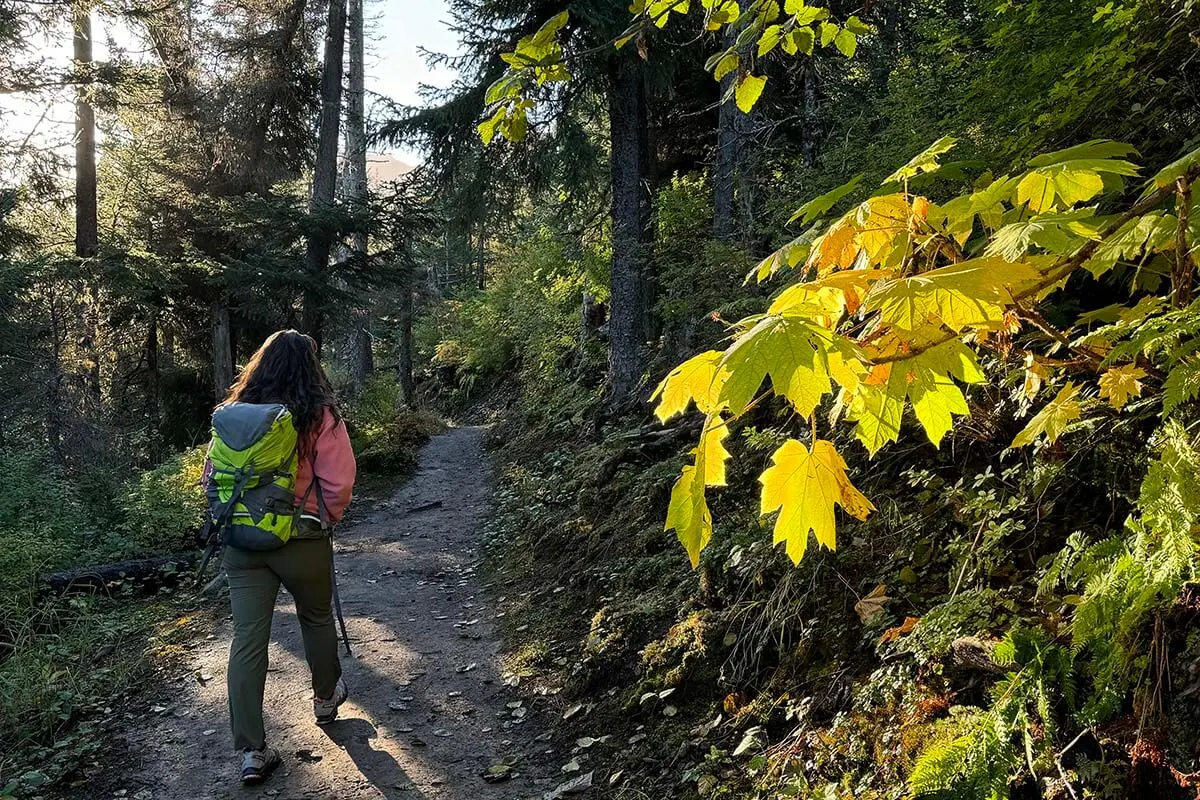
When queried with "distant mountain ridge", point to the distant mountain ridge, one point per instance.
{"points": [[383, 168]]}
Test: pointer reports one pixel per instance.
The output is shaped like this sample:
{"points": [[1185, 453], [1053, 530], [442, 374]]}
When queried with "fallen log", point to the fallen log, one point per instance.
{"points": [[146, 573]]}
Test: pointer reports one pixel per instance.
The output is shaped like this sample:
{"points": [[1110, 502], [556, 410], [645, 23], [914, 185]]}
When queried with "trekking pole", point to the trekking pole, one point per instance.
{"points": [[213, 541], [337, 599]]}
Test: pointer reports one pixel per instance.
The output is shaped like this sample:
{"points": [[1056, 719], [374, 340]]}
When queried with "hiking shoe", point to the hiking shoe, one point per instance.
{"points": [[326, 710], [257, 765]]}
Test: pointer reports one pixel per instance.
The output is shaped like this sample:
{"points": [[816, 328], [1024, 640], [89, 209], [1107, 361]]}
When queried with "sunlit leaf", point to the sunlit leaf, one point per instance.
{"points": [[972, 293], [833, 294], [1171, 173], [846, 42], [694, 379], [927, 161], [749, 89], [1053, 419], [688, 513], [791, 351], [804, 487], [819, 206], [829, 32], [785, 257], [1119, 384]]}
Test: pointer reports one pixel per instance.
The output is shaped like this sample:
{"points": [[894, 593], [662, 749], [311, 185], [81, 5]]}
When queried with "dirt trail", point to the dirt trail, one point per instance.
{"points": [[428, 712]]}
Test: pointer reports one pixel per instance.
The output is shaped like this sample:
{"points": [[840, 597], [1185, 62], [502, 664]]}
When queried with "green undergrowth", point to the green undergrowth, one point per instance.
{"points": [[74, 676], [387, 438], [939, 652], [70, 665]]}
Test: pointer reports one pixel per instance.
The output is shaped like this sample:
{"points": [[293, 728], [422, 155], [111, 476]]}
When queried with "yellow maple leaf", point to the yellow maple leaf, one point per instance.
{"points": [[1053, 419], [1119, 384], [936, 400], [710, 453], [832, 294], [877, 407], [695, 379], [688, 513], [925, 379], [792, 350], [972, 293], [804, 487], [881, 220], [835, 249]]}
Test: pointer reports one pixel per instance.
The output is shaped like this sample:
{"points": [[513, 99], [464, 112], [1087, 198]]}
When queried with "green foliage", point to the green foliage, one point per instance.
{"points": [[697, 276], [40, 520], [69, 659], [978, 753], [165, 506], [528, 318], [759, 25], [387, 437]]}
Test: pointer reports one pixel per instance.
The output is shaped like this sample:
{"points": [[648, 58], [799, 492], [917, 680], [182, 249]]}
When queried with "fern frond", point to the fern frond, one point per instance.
{"points": [[1182, 385]]}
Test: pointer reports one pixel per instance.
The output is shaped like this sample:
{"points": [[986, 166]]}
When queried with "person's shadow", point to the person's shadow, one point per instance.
{"points": [[377, 766]]}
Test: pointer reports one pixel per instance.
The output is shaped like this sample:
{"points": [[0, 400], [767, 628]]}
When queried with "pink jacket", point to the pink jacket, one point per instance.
{"points": [[335, 465], [335, 468]]}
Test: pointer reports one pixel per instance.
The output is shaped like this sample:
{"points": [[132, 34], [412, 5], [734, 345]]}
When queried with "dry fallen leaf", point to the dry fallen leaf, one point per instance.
{"points": [[903, 629], [871, 606]]}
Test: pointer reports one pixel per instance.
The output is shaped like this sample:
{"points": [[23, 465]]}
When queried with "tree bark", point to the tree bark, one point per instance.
{"points": [[808, 144], [404, 337], [361, 359], [320, 239], [725, 162], [167, 335], [153, 391], [355, 174], [87, 233], [87, 229], [631, 223], [222, 350], [481, 257]]}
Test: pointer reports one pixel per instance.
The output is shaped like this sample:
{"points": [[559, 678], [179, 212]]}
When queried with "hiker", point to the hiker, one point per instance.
{"points": [[280, 471]]}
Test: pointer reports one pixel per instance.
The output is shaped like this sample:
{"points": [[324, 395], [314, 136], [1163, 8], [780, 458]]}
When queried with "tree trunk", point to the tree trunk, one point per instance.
{"points": [[153, 399], [320, 239], [361, 359], [87, 229], [726, 156], [404, 337], [167, 359], [808, 144], [87, 235], [355, 175], [222, 350], [481, 257], [630, 218]]}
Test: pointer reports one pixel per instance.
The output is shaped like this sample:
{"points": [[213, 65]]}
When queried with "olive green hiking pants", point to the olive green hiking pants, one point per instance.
{"points": [[303, 566]]}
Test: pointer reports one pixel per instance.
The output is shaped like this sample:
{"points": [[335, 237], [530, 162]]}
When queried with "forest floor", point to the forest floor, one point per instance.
{"points": [[430, 708]]}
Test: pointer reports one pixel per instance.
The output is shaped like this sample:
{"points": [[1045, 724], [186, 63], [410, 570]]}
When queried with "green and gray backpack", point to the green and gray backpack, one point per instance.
{"points": [[251, 492]]}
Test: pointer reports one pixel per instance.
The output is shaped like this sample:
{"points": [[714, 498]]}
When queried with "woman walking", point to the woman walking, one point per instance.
{"points": [[285, 372]]}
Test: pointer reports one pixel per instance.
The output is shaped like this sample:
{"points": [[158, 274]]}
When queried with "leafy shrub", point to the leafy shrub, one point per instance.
{"points": [[41, 524], [527, 318], [385, 437], [164, 507], [697, 276]]}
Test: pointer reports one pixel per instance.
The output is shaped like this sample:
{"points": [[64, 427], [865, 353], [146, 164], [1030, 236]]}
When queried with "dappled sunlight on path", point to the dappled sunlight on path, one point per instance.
{"points": [[429, 709]]}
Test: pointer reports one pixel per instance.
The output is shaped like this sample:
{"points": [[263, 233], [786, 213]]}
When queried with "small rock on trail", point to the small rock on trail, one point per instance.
{"points": [[428, 714]]}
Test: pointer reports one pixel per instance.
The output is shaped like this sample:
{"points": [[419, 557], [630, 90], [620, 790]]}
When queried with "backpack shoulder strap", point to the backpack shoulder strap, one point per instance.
{"points": [[315, 484]]}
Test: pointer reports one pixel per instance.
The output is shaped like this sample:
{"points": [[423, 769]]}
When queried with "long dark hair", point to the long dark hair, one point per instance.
{"points": [[286, 370]]}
